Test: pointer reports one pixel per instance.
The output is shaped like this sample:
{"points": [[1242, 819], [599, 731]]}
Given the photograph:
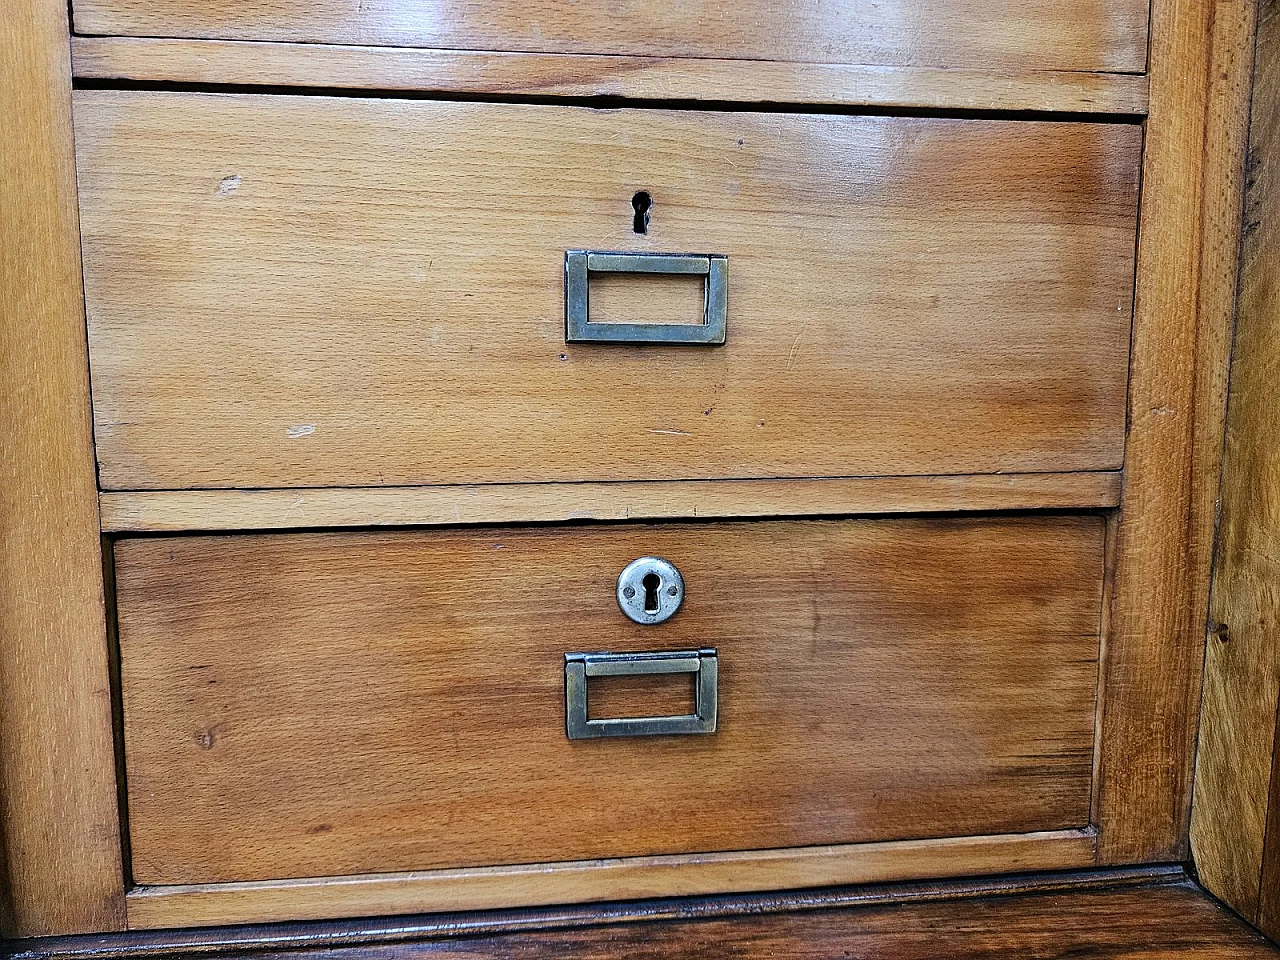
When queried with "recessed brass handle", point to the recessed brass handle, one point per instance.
{"points": [[579, 328], [579, 666]]}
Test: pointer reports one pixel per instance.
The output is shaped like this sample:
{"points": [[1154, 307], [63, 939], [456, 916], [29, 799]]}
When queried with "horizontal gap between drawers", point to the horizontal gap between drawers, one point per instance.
{"points": [[629, 878], [600, 80], [168, 511]]}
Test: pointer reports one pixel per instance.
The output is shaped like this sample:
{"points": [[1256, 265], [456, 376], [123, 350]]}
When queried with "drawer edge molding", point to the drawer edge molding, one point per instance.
{"points": [[629, 878], [425, 70], [172, 511]]}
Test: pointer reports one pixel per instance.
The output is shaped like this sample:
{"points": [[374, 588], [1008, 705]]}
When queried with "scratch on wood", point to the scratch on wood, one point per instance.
{"points": [[301, 430], [795, 344]]}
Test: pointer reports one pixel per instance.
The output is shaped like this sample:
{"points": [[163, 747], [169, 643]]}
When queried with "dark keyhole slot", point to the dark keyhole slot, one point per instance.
{"points": [[642, 203], [652, 583]]}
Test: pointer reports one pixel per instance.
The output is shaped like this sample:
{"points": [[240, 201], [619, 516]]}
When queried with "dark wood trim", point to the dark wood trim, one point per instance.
{"points": [[1136, 913], [218, 941]]}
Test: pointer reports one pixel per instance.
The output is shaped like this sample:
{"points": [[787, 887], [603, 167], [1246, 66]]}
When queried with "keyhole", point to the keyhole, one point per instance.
{"points": [[642, 203], [652, 583]]}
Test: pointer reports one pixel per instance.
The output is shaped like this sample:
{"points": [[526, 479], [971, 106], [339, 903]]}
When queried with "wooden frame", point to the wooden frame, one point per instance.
{"points": [[1235, 829], [577, 75], [57, 764], [601, 880], [58, 796], [179, 510], [1151, 682], [1138, 911]]}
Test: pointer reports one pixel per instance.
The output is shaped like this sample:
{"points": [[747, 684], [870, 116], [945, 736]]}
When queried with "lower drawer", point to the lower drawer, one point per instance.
{"points": [[340, 703]]}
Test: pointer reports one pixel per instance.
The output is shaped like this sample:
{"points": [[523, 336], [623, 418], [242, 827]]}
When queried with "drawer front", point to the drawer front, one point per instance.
{"points": [[310, 291], [1108, 35], [343, 703]]}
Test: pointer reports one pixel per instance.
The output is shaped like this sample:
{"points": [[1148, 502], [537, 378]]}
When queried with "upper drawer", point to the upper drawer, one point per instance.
{"points": [[307, 291], [1106, 35]]}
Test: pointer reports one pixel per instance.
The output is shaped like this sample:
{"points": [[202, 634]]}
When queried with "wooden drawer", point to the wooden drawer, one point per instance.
{"points": [[343, 703], [1105, 35], [310, 291]]}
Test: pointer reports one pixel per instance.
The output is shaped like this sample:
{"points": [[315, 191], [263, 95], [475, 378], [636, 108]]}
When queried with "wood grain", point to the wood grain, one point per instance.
{"points": [[1102, 35], [1242, 666], [393, 932], [601, 880], [1143, 923], [306, 291], [61, 867], [427, 667], [1268, 914], [1155, 649], [175, 511], [253, 63], [1226, 143]]}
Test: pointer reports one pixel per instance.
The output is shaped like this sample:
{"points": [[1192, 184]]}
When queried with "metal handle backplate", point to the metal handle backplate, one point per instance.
{"points": [[579, 666], [579, 328]]}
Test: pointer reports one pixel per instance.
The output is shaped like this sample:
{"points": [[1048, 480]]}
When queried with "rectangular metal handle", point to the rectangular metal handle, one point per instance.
{"points": [[579, 666], [580, 264]]}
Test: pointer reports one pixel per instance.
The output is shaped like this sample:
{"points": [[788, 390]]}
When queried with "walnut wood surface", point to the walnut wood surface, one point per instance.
{"points": [[60, 868], [1234, 843], [323, 704], [1155, 645], [247, 62], [309, 291], [1103, 35], [1161, 922], [1068, 916], [173, 511]]}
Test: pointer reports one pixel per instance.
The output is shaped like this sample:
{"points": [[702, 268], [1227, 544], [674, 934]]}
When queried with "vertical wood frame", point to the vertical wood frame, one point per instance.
{"points": [[61, 845], [1181, 337], [1235, 827]]}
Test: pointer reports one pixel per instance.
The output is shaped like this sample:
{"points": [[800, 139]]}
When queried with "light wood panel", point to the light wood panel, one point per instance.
{"points": [[61, 854], [1155, 646], [306, 291], [246, 62], [1234, 771], [173, 511], [600, 880], [1102, 35], [879, 680]]}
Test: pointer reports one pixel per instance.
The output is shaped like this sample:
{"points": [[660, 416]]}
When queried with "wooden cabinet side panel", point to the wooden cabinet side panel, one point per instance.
{"points": [[1232, 843], [57, 770]]}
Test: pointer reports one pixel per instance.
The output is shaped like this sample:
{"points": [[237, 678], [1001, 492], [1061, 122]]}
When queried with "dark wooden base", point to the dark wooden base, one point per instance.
{"points": [[1133, 913]]}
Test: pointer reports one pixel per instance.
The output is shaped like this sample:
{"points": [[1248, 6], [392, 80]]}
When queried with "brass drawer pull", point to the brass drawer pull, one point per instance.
{"points": [[579, 328], [579, 666]]}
